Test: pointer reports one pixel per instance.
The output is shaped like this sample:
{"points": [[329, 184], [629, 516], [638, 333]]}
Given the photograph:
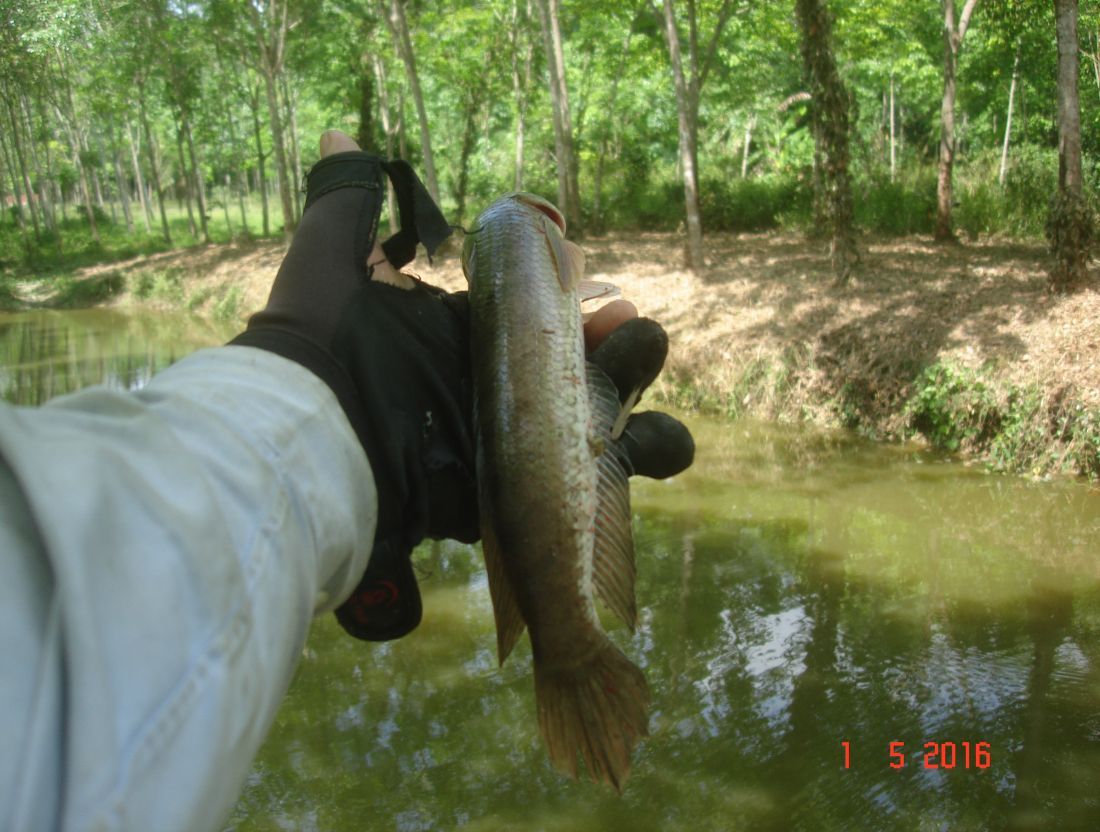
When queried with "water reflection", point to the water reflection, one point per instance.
{"points": [[48, 353], [796, 590]]}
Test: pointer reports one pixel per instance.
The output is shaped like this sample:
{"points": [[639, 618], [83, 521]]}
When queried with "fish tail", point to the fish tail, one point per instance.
{"points": [[598, 708]]}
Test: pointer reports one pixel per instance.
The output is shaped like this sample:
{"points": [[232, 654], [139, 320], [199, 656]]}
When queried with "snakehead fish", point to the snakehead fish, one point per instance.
{"points": [[553, 490]]}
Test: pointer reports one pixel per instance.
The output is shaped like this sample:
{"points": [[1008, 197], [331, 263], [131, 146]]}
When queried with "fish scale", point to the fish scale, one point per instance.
{"points": [[554, 499]]}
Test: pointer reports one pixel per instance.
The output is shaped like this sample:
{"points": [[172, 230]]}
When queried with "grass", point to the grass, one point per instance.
{"points": [[73, 247]]}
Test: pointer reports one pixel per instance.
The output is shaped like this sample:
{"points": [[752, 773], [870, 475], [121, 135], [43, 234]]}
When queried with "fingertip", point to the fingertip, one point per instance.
{"points": [[335, 141], [606, 320]]}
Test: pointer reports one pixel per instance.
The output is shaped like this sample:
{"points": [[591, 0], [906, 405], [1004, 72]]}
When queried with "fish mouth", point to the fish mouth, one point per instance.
{"points": [[542, 205]]}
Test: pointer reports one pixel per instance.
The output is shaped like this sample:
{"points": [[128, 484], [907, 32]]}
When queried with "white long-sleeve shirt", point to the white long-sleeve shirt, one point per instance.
{"points": [[162, 553]]}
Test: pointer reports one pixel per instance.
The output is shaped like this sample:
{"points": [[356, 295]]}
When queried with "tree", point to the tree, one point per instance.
{"points": [[399, 30], [270, 21], [829, 120], [953, 35], [568, 187], [1070, 224], [688, 86]]}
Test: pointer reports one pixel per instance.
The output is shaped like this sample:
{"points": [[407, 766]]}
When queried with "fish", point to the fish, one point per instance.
{"points": [[553, 487]]}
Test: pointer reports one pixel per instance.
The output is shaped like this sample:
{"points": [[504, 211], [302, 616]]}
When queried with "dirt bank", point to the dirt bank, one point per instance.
{"points": [[763, 331]]}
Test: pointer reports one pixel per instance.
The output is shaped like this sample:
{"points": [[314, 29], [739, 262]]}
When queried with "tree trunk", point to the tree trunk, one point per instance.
{"points": [[469, 139], [365, 134], [197, 179], [750, 124], [605, 134], [952, 39], [520, 85], [685, 133], [1008, 117], [573, 204], [4, 186], [225, 207], [1070, 223], [45, 207], [281, 161], [399, 30], [21, 158], [73, 124], [123, 188], [85, 186], [270, 24], [254, 105], [388, 130], [154, 168], [139, 181], [829, 117], [238, 179], [96, 185], [893, 142], [17, 192], [568, 199], [295, 155], [187, 198]]}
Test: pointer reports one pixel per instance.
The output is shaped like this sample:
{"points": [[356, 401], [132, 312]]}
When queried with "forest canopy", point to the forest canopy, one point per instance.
{"points": [[162, 122]]}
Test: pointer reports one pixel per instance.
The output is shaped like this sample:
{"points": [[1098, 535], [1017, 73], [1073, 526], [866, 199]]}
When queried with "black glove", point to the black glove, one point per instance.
{"points": [[399, 363]]}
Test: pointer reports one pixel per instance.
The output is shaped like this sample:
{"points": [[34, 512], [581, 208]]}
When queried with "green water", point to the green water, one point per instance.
{"points": [[797, 590]]}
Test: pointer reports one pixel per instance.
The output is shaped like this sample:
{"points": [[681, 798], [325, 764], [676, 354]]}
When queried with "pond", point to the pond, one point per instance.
{"points": [[836, 634]]}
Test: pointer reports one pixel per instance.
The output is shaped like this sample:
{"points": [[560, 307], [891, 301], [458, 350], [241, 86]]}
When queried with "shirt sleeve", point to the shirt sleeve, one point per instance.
{"points": [[161, 555]]}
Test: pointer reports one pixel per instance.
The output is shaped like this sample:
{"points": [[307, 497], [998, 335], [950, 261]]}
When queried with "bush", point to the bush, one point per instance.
{"points": [[981, 209], [952, 408], [229, 307], [905, 206], [747, 204]]}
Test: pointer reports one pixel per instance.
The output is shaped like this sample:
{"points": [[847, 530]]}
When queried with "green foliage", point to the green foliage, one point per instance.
{"points": [[952, 408], [165, 285], [74, 293], [200, 296], [749, 204], [229, 307], [905, 206], [1017, 429]]}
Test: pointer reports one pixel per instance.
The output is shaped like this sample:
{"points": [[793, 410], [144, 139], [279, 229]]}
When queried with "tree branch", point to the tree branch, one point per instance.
{"points": [[964, 19], [724, 14]]}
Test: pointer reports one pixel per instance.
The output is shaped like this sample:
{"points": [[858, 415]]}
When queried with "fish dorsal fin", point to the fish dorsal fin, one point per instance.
{"points": [[596, 290], [613, 556], [509, 619], [569, 260]]}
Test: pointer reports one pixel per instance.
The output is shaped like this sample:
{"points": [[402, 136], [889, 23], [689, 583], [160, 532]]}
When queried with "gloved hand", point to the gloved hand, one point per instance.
{"points": [[396, 353]]}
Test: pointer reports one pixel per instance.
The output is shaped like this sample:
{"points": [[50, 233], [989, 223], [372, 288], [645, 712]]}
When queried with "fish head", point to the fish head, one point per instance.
{"points": [[540, 214]]}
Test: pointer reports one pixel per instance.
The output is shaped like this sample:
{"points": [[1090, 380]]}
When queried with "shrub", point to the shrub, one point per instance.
{"points": [[229, 307], [905, 206], [952, 408], [747, 204]]}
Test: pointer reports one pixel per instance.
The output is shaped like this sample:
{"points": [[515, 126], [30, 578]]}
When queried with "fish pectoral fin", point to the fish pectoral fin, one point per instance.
{"points": [[509, 619], [596, 290], [569, 260], [613, 554]]}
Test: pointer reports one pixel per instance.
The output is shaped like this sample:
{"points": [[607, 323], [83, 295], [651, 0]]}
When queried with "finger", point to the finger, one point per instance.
{"points": [[333, 141], [632, 356], [657, 445], [606, 320]]}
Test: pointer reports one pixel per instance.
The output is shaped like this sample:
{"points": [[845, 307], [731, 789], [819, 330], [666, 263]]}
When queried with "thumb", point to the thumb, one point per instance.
{"points": [[333, 141]]}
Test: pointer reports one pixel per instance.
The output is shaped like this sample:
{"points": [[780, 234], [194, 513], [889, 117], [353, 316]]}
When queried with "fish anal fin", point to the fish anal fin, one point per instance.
{"points": [[613, 567], [509, 619]]}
